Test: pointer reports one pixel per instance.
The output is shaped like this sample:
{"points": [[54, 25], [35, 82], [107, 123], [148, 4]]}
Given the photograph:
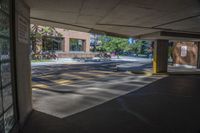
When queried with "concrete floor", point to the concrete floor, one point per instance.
{"points": [[182, 70], [63, 90], [169, 105]]}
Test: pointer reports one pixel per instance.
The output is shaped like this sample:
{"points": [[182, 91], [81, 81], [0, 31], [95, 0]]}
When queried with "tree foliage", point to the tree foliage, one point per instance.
{"points": [[116, 44], [140, 47], [38, 32], [112, 44]]}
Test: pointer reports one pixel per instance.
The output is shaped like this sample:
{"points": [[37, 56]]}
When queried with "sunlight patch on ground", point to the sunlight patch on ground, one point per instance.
{"points": [[43, 86]]}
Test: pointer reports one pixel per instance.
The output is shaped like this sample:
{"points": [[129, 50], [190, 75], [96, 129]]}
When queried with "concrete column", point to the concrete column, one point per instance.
{"points": [[198, 56], [22, 60], [87, 45], [66, 44], [160, 59]]}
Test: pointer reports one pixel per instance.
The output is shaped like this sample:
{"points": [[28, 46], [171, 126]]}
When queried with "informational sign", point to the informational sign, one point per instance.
{"points": [[23, 30], [184, 51]]}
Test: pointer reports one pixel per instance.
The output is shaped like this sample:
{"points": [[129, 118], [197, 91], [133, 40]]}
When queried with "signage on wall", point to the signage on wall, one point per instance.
{"points": [[184, 51], [23, 30]]}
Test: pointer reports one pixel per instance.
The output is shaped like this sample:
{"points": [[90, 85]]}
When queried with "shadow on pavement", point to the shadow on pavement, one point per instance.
{"points": [[169, 105]]}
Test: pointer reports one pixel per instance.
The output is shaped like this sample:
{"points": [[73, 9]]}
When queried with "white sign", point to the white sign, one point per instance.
{"points": [[183, 51], [23, 30]]}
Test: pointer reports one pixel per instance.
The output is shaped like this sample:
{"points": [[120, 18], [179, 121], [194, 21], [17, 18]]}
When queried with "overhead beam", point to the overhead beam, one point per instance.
{"points": [[90, 30], [170, 35], [57, 22], [143, 27], [178, 20], [182, 35]]}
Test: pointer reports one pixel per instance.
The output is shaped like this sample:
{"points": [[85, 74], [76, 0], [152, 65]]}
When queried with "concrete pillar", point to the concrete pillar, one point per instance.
{"points": [[160, 59], [22, 60], [198, 56], [87, 44], [66, 44]]}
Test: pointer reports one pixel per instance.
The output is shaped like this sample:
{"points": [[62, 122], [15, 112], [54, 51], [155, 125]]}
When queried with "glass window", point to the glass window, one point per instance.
{"points": [[1, 104], [4, 24], [52, 44], [4, 6], [77, 45], [4, 49], [8, 119], [5, 74], [7, 97], [1, 124]]}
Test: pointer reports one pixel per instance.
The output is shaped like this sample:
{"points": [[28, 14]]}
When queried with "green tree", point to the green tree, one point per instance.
{"points": [[140, 47], [136, 47], [113, 44], [38, 32], [116, 44]]}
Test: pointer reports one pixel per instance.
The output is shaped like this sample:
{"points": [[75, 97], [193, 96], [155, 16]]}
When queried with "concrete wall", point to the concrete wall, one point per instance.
{"points": [[23, 67], [190, 59]]}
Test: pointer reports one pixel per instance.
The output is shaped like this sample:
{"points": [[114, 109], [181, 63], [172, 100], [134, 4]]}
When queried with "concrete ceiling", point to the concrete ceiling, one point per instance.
{"points": [[121, 17]]}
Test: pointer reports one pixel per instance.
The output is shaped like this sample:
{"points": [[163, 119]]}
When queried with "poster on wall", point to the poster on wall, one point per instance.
{"points": [[184, 51], [23, 30]]}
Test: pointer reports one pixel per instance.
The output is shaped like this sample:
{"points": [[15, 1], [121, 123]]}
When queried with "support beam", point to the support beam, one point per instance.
{"points": [[198, 56], [160, 59]]}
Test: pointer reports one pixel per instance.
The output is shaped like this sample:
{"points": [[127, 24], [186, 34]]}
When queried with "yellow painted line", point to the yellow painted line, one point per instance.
{"points": [[34, 89], [40, 86], [63, 82], [146, 73], [46, 76]]}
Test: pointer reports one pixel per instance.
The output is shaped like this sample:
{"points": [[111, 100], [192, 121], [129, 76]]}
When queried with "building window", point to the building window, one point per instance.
{"points": [[52, 44], [77, 45]]}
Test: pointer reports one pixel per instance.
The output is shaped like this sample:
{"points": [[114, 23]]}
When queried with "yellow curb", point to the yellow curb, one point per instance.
{"points": [[142, 72]]}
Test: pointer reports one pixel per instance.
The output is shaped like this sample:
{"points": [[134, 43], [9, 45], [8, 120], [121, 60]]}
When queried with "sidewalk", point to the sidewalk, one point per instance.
{"points": [[91, 61]]}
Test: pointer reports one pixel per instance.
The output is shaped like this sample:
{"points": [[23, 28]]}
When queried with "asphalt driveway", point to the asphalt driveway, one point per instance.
{"points": [[64, 89], [169, 105]]}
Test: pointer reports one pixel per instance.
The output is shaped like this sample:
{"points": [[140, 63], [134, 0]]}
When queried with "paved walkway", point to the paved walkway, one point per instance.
{"points": [[169, 105]]}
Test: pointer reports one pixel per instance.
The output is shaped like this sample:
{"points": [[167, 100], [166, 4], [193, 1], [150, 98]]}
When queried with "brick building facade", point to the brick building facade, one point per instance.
{"points": [[71, 44]]}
